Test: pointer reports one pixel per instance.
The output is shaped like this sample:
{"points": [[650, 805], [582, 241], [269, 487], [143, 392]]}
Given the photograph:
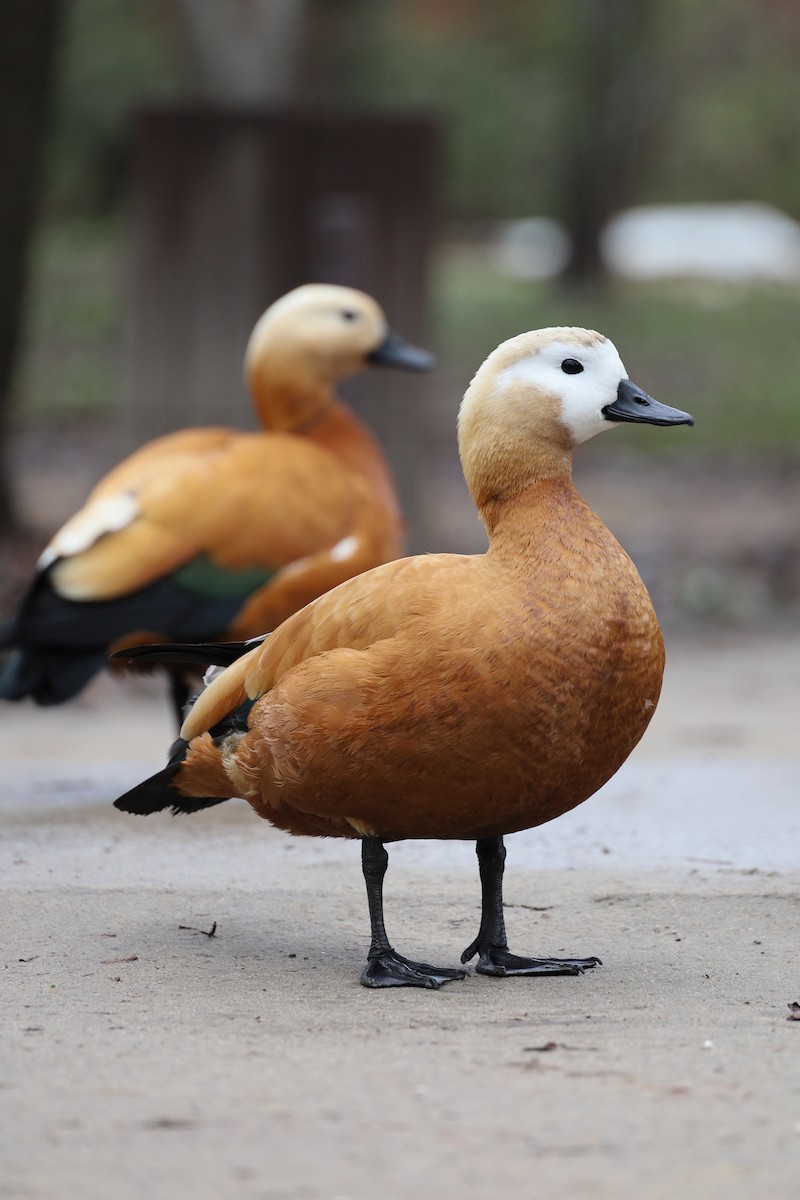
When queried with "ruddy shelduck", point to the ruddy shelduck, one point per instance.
{"points": [[218, 533], [451, 696]]}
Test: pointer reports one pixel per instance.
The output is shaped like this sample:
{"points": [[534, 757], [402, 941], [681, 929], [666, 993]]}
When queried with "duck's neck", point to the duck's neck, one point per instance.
{"points": [[340, 431], [519, 525], [505, 468], [287, 402], [308, 407]]}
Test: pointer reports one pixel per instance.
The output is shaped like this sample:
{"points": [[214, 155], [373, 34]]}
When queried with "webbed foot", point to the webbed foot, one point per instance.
{"points": [[491, 946], [389, 969], [499, 961]]}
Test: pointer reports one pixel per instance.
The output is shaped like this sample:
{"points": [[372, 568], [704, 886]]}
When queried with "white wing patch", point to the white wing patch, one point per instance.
{"points": [[106, 515], [344, 549]]}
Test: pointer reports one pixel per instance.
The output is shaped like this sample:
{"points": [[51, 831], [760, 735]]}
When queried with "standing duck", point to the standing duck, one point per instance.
{"points": [[217, 533], [451, 696]]}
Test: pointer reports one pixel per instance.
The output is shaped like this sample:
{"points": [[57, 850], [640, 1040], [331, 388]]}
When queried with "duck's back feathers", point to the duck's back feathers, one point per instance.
{"points": [[353, 615]]}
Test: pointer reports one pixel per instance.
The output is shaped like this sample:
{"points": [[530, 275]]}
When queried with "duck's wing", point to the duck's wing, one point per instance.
{"points": [[178, 540], [240, 515], [390, 601], [140, 522]]}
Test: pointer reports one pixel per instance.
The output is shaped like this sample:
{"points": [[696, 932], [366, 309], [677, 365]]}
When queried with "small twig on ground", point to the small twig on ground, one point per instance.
{"points": [[530, 907], [209, 933], [548, 1046]]}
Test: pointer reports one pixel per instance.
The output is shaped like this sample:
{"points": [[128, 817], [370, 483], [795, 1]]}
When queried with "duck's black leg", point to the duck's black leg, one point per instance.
{"points": [[491, 945], [386, 968]]}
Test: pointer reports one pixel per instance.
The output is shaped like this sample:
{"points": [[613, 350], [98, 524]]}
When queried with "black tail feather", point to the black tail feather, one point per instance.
{"points": [[152, 795], [217, 654], [155, 794]]}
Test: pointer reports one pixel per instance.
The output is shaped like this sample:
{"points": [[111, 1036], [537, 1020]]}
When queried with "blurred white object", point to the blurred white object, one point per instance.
{"points": [[536, 248], [711, 241]]}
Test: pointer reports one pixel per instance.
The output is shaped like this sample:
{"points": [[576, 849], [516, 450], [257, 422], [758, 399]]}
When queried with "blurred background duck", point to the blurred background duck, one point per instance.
{"points": [[216, 533], [451, 696]]}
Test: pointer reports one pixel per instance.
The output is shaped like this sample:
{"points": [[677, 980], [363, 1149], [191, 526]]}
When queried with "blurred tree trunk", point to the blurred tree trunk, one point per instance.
{"points": [[615, 97], [247, 51], [27, 56], [267, 52], [326, 55]]}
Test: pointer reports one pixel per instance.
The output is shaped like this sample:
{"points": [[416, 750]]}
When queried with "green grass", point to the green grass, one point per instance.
{"points": [[727, 354]]}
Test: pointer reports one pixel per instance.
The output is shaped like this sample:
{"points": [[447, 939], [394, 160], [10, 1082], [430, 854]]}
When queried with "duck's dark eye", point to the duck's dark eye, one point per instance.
{"points": [[571, 366], [349, 314]]}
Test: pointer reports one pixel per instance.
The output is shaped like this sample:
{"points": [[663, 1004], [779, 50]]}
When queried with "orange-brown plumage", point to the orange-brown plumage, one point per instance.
{"points": [[253, 524], [272, 500], [452, 696]]}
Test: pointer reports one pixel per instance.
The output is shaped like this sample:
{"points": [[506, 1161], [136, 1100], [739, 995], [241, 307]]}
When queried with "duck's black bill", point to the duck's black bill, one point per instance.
{"points": [[394, 351], [635, 406]]}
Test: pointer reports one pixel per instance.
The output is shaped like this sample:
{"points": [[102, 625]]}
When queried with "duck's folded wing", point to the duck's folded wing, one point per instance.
{"points": [[133, 529], [394, 599], [229, 515], [224, 696], [130, 566]]}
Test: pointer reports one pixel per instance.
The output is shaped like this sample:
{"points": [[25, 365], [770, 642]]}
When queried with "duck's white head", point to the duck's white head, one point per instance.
{"points": [[320, 333], [537, 396]]}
